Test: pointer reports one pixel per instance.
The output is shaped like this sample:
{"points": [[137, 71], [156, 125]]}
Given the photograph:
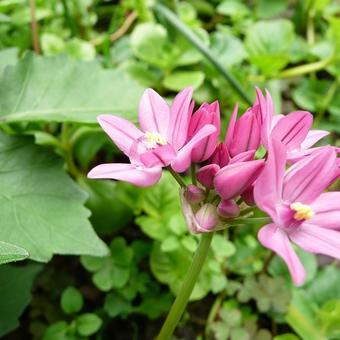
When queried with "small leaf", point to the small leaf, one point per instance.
{"points": [[268, 44], [178, 80], [88, 324], [149, 42], [71, 300], [57, 331]]}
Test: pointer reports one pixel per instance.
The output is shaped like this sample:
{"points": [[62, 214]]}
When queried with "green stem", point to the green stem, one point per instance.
{"points": [[246, 220], [195, 41], [193, 173], [187, 287], [176, 176], [304, 69]]}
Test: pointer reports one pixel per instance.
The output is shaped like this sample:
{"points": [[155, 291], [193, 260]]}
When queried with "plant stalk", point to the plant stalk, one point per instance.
{"points": [[187, 287], [176, 176], [195, 41], [34, 27]]}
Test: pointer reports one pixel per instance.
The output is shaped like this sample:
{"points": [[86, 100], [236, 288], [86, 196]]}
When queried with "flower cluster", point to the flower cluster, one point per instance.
{"points": [[265, 160]]}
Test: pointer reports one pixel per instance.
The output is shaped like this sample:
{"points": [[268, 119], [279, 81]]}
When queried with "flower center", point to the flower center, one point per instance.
{"points": [[152, 139], [303, 211]]}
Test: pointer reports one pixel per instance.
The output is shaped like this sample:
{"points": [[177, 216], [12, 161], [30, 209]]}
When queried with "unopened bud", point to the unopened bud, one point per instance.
{"points": [[207, 217], [228, 209], [194, 194]]}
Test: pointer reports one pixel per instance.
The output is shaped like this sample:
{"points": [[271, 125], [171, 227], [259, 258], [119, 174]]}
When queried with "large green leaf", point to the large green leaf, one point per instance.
{"points": [[268, 44], [15, 287], [62, 89], [10, 252], [41, 209], [8, 56]]}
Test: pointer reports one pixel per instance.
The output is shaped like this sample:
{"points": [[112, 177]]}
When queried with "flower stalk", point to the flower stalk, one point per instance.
{"points": [[187, 287], [196, 42]]}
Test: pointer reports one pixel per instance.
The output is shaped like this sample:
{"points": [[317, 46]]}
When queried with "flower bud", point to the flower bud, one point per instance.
{"points": [[194, 194], [228, 209], [234, 179], [206, 175], [206, 114], [207, 217]]}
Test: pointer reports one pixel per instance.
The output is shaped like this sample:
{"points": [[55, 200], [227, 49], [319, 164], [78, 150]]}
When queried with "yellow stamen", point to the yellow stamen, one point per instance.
{"points": [[153, 139], [303, 211]]}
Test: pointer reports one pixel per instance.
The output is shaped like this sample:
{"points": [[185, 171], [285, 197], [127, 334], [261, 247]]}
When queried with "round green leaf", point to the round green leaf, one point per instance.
{"points": [[268, 44], [88, 324], [71, 300]]}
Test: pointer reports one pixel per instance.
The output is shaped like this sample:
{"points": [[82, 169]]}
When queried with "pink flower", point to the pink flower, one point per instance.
{"points": [[160, 141], [300, 212], [206, 114], [293, 130]]}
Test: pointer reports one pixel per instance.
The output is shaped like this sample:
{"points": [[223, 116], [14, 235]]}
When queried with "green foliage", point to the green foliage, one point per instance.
{"points": [[71, 300], [267, 292], [86, 69], [64, 90], [42, 226], [268, 44], [15, 292]]}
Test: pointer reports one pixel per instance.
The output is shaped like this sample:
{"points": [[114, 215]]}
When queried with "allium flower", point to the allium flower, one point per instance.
{"points": [[231, 169], [300, 212], [160, 141]]}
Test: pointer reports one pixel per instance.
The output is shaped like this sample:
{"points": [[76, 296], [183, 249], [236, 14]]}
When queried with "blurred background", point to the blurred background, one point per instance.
{"points": [[98, 56]]}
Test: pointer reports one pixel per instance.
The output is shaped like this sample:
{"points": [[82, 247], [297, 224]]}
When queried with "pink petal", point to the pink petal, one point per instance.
{"points": [[268, 187], [309, 177], [313, 137], [277, 240], [233, 179], [231, 126], [206, 114], [180, 113], [248, 195], [220, 156], [206, 175], [183, 158], [292, 129], [159, 157], [139, 176], [266, 109], [318, 240], [243, 157], [153, 113], [246, 134], [123, 133], [327, 210]]}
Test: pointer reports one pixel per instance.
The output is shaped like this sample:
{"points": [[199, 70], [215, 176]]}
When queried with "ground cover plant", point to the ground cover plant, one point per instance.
{"points": [[155, 152]]}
